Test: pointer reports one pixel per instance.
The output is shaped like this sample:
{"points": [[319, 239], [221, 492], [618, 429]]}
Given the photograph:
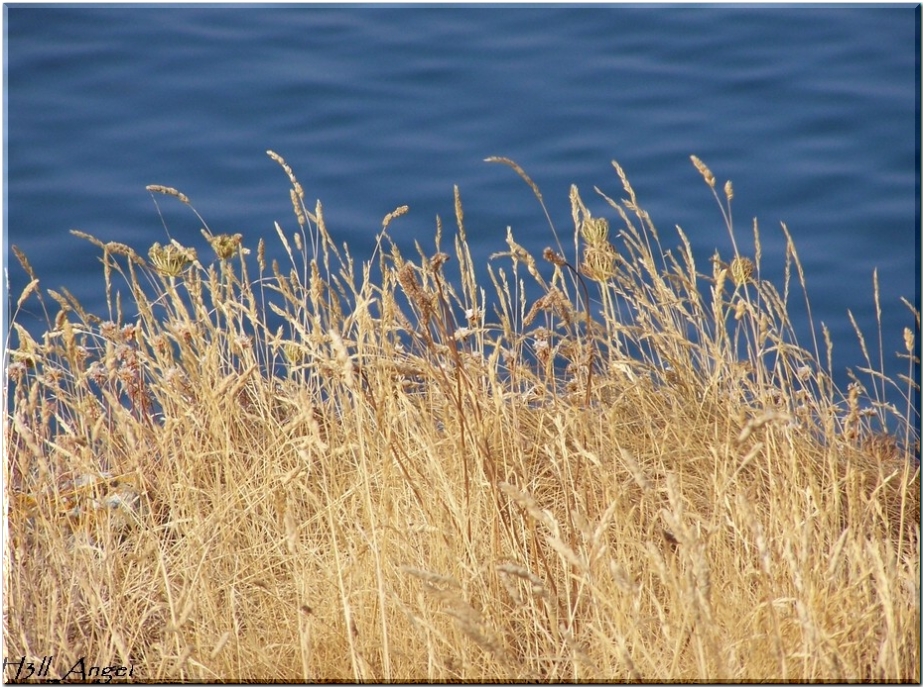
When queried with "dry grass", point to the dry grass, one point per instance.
{"points": [[327, 472]]}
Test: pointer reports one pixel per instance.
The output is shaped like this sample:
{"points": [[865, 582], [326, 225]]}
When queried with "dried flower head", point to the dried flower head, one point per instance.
{"points": [[595, 231], [553, 257], [224, 245], [599, 262], [741, 270], [171, 260]]}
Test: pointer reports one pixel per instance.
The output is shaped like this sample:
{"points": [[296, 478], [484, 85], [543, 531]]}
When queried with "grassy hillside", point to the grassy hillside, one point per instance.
{"points": [[390, 472]]}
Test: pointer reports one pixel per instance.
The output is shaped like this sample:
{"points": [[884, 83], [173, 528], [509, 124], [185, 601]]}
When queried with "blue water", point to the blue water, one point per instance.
{"points": [[811, 112]]}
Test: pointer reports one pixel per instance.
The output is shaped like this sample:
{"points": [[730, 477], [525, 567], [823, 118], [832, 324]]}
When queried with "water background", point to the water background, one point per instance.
{"points": [[810, 111]]}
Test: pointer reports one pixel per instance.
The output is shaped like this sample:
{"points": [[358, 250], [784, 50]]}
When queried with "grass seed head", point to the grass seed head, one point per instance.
{"points": [[703, 170], [168, 191]]}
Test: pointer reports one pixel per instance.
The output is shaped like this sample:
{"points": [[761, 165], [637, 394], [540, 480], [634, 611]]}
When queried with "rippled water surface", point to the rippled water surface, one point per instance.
{"points": [[810, 111]]}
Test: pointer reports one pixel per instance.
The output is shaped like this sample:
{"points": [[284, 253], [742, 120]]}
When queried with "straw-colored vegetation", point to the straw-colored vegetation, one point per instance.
{"points": [[390, 472]]}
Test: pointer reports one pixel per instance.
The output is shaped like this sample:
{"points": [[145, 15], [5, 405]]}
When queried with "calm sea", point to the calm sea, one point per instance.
{"points": [[812, 112]]}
